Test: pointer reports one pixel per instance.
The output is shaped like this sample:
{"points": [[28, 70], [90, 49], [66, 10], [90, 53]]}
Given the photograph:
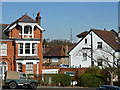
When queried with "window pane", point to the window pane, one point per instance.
{"points": [[4, 48], [26, 29], [20, 48], [29, 68], [34, 48]]}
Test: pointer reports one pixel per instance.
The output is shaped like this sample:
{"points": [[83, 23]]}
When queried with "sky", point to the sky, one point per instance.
{"points": [[59, 17]]}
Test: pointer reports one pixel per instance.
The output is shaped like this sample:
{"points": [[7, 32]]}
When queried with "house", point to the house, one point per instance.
{"points": [[21, 45], [56, 55], [94, 47]]}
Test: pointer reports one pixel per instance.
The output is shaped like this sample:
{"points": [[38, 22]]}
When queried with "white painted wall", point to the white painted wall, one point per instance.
{"points": [[76, 56]]}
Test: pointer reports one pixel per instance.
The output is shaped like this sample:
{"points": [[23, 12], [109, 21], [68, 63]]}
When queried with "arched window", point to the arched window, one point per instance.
{"points": [[3, 69], [27, 29]]}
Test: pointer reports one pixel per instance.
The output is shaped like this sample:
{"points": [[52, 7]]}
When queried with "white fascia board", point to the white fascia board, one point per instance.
{"points": [[6, 28], [24, 24], [40, 28], [13, 26], [27, 41]]}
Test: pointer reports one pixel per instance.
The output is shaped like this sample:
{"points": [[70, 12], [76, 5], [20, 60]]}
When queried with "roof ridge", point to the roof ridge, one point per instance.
{"points": [[27, 16]]}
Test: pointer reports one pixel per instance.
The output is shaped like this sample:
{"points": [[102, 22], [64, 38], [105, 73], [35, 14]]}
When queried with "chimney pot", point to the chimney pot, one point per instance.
{"points": [[105, 29], [38, 18]]}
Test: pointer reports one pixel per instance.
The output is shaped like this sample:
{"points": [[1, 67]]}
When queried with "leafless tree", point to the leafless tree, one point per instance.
{"points": [[108, 57]]}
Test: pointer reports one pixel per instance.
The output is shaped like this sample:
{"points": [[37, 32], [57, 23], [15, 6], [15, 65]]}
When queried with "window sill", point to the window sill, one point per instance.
{"points": [[27, 54], [3, 55]]}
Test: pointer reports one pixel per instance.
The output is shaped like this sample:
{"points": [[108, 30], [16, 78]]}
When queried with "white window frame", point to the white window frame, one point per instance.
{"points": [[29, 68], [5, 54], [55, 60], [18, 67], [31, 42]]}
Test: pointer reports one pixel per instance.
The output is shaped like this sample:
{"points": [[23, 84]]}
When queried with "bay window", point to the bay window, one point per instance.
{"points": [[27, 49], [29, 68]]}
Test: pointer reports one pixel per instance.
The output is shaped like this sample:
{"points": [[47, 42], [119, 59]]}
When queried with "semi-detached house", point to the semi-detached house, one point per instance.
{"points": [[21, 46]]}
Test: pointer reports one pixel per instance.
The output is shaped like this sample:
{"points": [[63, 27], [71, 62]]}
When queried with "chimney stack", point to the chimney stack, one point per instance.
{"points": [[38, 18], [66, 49], [105, 29]]}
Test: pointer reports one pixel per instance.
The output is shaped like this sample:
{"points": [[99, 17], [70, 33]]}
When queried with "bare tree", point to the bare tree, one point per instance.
{"points": [[108, 58]]}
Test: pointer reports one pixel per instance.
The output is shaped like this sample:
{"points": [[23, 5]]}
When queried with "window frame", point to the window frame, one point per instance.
{"points": [[85, 40], [28, 67], [30, 49], [54, 60], [99, 62], [84, 56], [99, 45], [3, 49]]}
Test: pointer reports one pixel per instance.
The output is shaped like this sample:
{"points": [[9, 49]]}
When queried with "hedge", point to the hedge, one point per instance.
{"points": [[91, 80], [62, 79]]}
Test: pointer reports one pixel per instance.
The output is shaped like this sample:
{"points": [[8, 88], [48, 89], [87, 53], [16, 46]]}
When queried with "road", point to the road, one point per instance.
{"points": [[54, 88]]}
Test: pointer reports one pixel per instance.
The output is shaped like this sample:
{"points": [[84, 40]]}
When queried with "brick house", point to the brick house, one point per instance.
{"points": [[56, 55], [21, 46]]}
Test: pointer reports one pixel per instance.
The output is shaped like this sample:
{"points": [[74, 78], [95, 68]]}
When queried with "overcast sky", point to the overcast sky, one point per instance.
{"points": [[59, 17]]}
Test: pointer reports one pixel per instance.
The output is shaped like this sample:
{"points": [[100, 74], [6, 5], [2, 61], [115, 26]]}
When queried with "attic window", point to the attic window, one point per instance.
{"points": [[99, 45], [85, 41], [27, 30]]}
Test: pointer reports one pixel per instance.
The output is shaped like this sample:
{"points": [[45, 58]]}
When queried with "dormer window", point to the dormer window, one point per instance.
{"points": [[27, 30]]}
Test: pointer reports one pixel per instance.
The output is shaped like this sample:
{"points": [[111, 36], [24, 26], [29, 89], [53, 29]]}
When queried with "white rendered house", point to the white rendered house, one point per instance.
{"points": [[94, 48]]}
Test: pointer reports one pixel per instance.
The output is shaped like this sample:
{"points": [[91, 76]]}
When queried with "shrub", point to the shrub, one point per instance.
{"points": [[91, 80], [62, 79]]}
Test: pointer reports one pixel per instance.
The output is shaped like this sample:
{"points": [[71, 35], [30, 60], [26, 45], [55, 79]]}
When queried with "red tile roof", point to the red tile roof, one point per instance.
{"points": [[110, 37], [56, 51], [82, 34]]}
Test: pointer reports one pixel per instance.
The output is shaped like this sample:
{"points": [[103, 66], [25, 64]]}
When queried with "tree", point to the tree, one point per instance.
{"points": [[106, 58]]}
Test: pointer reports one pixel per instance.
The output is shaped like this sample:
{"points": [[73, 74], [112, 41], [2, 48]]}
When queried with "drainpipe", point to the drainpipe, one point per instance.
{"points": [[92, 63]]}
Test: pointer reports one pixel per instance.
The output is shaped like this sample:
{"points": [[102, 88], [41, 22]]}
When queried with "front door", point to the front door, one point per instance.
{"points": [[3, 69]]}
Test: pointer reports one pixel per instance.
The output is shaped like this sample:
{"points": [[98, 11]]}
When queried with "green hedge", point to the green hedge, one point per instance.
{"points": [[91, 80], [62, 79]]}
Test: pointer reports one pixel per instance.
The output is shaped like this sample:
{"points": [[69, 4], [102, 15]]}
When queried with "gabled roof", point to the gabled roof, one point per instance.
{"points": [[56, 51], [24, 19], [110, 37], [82, 34]]}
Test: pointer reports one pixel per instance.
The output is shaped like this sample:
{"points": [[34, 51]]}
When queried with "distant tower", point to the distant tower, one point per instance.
{"points": [[71, 39]]}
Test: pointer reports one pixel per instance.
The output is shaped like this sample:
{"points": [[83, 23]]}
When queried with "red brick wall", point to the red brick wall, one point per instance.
{"points": [[37, 33], [10, 55]]}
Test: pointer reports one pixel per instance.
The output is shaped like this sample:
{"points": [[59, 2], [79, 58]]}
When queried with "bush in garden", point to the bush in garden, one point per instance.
{"points": [[91, 80], [61, 79]]}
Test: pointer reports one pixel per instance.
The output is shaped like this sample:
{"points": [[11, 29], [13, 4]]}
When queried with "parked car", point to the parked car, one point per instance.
{"points": [[108, 87], [14, 79]]}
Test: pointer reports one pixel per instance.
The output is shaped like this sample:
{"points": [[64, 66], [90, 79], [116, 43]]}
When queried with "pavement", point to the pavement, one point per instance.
{"points": [[55, 88]]}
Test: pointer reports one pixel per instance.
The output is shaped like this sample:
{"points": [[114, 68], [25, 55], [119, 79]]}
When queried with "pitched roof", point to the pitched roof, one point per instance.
{"points": [[55, 51], [82, 34], [2, 34], [110, 37], [25, 18]]}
